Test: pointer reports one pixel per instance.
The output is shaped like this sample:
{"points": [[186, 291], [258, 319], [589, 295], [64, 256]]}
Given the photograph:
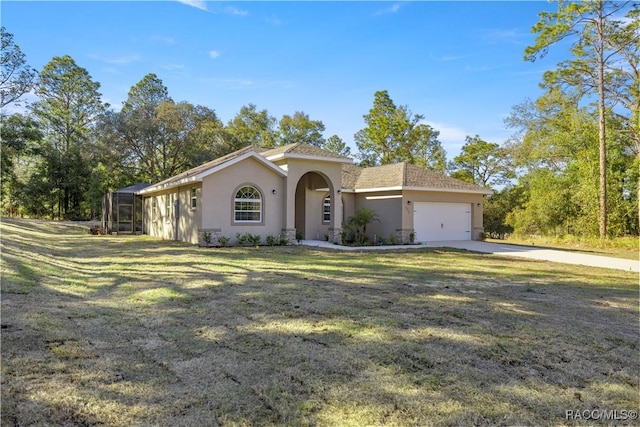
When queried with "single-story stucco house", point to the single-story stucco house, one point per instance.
{"points": [[306, 191]]}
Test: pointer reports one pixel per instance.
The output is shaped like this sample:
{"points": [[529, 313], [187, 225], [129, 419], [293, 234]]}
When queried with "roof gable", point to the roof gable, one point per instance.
{"points": [[304, 151], [199, 172]]}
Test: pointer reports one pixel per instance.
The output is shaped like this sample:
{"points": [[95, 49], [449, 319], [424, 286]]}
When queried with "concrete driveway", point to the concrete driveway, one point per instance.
{"points": [[531, 252]]}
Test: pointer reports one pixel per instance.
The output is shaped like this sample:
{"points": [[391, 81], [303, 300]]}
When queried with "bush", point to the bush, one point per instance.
{"points": [[97, 230], [355, 230], [248, 239], [272, 240], [223, 241], [392, 239]]}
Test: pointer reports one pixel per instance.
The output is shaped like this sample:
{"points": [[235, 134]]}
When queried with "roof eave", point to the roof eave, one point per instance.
{"points": [[281, 156], [235, 160], [200, 176], [409, 188], [169, 185]]}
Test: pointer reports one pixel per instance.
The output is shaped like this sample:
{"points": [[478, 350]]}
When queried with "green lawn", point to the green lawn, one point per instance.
{"points": [[101, 330]]}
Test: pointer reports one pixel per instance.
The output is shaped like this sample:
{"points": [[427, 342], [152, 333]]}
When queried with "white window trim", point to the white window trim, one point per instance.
{"points": [[193, 193], [168, 205], [324, 206], [241, 200]]}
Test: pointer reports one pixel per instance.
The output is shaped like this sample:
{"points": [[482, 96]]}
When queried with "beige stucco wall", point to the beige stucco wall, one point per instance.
{"points": [[218, 194], [190, 218], [388, 207], [331, 172], [162, 223], [476, 201]]}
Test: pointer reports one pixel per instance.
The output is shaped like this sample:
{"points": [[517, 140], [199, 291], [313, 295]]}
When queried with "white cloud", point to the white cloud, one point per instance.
{"points": [[214, 54], [235, 11], [198, 4], [163, 39], [499, 36], [394, 8], [118, 60], [202, 5], [173, 67], [449, 58], [449, 133], [248, 83], [273, 20]]}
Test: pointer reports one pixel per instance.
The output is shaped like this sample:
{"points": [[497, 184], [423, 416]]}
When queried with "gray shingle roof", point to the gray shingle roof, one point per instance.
{"points": [[401, 175]]}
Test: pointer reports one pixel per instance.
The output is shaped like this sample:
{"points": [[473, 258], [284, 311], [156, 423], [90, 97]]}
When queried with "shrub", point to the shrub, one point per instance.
{"points": [[223, 241], [253, 239], [392, 239], [206, 236], [355, 230], [248, 239], [241, 239], [272, 240], [96, 230]]}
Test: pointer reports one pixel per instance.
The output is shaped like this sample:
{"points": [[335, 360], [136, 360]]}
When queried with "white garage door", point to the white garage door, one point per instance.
{"points": [[442, 221]]}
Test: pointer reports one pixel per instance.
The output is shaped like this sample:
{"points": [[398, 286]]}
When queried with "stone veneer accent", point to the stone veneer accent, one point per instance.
{"points": [[403, 235], [290, 234], [335, 235], [214, 233]]}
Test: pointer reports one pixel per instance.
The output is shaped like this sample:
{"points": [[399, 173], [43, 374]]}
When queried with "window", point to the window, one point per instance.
{"points": [[326, 208], [168, 206], [247, 206], [194, 198], [154, 207]]}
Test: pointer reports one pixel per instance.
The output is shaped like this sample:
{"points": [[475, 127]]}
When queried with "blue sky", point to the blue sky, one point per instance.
{"points": [[460, 64]]}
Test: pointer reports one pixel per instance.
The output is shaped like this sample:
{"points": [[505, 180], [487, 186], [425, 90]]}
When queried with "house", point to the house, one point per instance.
{"points": [[306, 191]]}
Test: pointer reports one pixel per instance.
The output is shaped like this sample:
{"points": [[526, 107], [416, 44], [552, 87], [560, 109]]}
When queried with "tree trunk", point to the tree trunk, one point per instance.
{"points": [[602, 220]]}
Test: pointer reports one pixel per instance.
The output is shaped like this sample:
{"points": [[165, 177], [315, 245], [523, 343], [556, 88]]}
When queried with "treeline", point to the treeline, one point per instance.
{"points": [[571, 167]]}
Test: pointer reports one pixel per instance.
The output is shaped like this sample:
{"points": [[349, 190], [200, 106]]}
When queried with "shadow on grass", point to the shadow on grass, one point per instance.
{"points": [[125, 331]]}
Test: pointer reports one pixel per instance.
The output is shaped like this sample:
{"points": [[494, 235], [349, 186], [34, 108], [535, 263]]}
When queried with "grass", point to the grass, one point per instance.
{"points": [[620, 247], [101, 330]]}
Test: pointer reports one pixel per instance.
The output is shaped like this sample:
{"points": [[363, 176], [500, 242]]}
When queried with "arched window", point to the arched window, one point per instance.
{"points": [[247, 205], [326, 208]]}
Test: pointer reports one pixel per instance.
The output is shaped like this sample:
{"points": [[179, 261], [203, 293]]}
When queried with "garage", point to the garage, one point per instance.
{"points": [[434, 222]]}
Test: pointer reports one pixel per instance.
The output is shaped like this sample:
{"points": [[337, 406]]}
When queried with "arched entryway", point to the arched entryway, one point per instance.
{"points": [[314, 207]]}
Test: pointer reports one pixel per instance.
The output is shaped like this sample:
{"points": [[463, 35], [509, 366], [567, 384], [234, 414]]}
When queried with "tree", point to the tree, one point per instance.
{"points": [[299, 128], [425, 149], [356, 226], [599, 38], [335, 144], [69, 103], [251, 127], [555, 150], [16, 77], [386, 138], [157, 138], [18, 135], [483, 163], [497, 207]]}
